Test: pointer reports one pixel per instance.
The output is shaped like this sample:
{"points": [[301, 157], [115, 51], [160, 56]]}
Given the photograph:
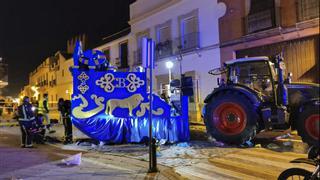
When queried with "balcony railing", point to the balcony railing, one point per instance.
{"points": [[307, 9], [164, 49], [188, 42]]}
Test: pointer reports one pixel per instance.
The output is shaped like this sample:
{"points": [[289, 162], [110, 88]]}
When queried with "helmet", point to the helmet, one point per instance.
{"points": [[25, 99]]}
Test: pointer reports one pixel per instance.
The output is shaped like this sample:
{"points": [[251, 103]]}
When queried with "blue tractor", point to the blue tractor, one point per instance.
{"points": [[256, 96]]}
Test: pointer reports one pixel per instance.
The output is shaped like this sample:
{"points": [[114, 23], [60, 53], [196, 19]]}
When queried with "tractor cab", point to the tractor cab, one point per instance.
{"points": [[256, 73], [259, 74]]}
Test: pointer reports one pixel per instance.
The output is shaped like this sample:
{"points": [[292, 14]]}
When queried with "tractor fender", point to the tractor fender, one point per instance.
{"points": [[249, 93]]}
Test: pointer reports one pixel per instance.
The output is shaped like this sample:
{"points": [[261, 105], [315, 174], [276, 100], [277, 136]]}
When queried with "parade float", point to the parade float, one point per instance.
{"points": [[113, 106]]}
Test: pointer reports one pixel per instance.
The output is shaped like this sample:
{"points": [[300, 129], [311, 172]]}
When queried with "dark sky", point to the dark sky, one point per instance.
{"points": [[31, 30]]}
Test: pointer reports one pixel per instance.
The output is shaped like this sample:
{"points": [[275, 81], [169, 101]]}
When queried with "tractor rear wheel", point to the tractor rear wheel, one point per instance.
{"points": [[231, 118], [308, 125]]}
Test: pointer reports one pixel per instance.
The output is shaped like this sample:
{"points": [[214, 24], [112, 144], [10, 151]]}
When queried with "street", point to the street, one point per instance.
{"points": [[44, 162], [196, 160]]}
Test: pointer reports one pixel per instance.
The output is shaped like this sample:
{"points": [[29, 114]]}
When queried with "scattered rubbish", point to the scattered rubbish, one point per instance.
{"points": [[84, 143], [184, 144], [73, 160], [288, 143], [211, 139], [247, 144], [283, 136], [273, 146], [218, 144], [162, 142], [257, 146]]}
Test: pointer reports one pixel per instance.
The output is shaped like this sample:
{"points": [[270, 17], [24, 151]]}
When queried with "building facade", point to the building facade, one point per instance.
{"points": [[3, 74], [186, 33], [268, 27]]}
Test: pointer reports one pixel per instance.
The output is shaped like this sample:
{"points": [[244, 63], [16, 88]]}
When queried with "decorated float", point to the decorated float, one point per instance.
{"points": [[113, 107]]}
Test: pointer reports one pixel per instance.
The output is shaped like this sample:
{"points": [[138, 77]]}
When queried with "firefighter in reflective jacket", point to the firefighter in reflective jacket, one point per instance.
{"points": [[26, 120], [44, 111]]}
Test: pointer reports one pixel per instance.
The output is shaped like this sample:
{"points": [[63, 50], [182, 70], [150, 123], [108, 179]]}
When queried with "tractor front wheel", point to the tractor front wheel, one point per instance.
{"points": [[231, 118]]}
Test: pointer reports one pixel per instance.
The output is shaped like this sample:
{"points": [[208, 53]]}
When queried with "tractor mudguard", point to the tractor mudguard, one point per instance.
{"points": [[249, 93]]}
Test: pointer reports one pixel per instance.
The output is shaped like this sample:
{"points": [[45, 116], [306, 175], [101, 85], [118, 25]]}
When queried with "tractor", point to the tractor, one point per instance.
{"points": [[256, 96]]}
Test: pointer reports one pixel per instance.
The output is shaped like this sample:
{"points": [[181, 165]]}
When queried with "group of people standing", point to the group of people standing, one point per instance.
{"points": [[35, 123]]}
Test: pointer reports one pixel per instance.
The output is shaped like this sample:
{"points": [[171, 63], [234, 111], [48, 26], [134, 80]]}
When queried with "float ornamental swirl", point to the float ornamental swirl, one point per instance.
{"points": [[135, 82], [106, 81], [78, 112]]}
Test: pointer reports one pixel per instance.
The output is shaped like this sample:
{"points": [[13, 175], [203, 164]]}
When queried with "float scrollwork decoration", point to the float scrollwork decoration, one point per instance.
{"points": [[134, 82], [78, 112], [105, 82]]}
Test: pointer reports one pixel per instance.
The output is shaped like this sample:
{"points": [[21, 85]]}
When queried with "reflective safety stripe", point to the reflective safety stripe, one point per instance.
{"points": [[22, 119], [24, 111]]}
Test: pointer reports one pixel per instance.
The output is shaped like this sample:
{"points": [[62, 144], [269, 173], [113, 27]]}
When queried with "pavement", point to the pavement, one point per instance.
{"points": [[198, 159]]}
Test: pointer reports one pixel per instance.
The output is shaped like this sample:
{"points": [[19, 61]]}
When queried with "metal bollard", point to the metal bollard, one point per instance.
{"points": [[153, 167]]}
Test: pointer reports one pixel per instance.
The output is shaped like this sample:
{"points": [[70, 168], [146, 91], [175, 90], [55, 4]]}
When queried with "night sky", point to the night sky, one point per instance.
{"points": [[31, 30]]}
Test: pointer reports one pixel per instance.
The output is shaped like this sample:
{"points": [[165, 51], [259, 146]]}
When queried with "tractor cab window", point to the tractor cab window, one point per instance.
{"points": [[255, 75]]}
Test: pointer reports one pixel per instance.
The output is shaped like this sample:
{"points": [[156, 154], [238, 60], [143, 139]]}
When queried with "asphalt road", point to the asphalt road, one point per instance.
{"points": [[44, 162], [199, 160]]}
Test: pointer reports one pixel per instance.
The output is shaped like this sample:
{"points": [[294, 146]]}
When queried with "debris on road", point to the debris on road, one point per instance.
{"points": [[73, 160]]}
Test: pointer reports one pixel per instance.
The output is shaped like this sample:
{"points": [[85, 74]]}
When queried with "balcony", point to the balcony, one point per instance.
{"points": [[307, 9], [260, 21], [187, 43], [164, 49]]}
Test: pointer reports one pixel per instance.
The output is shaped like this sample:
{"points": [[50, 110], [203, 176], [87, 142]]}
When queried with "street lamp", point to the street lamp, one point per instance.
{"points": [[169, 65]]}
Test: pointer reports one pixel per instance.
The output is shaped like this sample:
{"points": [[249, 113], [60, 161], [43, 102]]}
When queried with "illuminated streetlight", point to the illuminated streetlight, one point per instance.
{"points": [[169, 65]]}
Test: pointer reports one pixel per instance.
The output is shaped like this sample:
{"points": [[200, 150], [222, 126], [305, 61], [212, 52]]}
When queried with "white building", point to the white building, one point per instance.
{"points": [[185, 31]]}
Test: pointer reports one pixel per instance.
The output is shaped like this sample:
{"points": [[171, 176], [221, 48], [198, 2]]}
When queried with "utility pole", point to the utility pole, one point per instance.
{"points": [[148, 48]]}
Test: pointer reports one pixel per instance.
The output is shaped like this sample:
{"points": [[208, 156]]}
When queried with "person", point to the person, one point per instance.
{"points": [[66, 112], [26, 120], [43, 110], [61, 108]]}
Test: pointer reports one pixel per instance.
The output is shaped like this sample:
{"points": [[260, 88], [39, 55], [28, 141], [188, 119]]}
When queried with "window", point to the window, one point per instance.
{"points": [[164, 42], [189, 30], [163, 34], [107, 53], [123, 53], [307, 9], [261, 15], [140, 36], [189, 25], [62, 72], [138, 52]]}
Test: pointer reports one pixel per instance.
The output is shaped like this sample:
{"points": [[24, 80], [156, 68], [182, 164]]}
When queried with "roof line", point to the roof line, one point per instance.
{"points": [[104, 38]]}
